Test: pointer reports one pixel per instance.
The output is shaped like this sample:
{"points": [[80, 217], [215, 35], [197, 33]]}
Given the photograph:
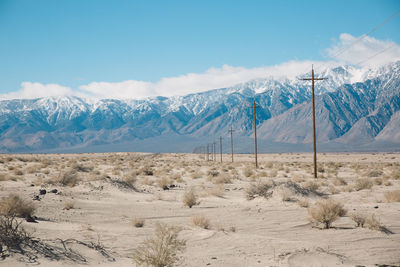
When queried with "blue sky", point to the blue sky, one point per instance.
{"points": [[69, 45]]}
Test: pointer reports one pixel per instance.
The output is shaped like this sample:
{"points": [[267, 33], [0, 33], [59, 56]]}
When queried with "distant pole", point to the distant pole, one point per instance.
{"points": [[231, 131], [255, 131], [220, 147], [312, 79], [208, 155], [215, 151]]}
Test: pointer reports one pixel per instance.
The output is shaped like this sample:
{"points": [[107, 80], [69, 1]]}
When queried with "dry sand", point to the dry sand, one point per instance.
{"points": [[258, 232]]}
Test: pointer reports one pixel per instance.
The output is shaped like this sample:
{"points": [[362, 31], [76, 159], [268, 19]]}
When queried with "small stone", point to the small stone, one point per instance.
{"points": [[42, 191], [54, 191], [376, 207], [214, 258], [36, 197], [165, 187]]}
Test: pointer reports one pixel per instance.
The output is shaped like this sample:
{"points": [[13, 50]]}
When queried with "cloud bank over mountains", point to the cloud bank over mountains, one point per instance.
{"points": [[366, 53]]}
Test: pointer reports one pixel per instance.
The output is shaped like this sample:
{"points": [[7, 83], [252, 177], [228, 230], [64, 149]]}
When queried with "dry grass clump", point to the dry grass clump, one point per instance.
{"points": [[213, 173], [160, 250], [339, 181], [374, 173], [138, 222], [333, 190], [190, 199], [304, 203], [363, 183], [311, 185], [373, 223], [222, 179], [217, 191], [326, 212], [68, 178], [248, 172], [286, 194], [130, 178], [392, 196], [201, 221], [359, 219], [6, 177], [261, 189], [82, 168], [197, 175], [69, 204], [13, 205], [163, 182], [18, 172]]}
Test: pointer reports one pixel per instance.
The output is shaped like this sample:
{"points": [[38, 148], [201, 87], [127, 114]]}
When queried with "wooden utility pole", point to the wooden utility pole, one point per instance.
{"points": [[220, 146], [208, 154], [255, 131], [215, 150], [231, 131], [312, 79]]}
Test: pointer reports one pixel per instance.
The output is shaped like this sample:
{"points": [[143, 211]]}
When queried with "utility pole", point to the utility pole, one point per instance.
{"points": [[220, 147], [255, 130], [312, 79], [215, 151], [208, 154], [231, 131]]}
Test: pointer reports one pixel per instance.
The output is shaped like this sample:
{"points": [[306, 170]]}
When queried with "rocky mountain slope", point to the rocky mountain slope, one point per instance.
{"points": [[353, 106]]}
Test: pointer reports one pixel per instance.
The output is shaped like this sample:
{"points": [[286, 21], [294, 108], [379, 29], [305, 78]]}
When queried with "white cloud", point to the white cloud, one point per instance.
{"points": [[31, 90], [224, 76], [367, 52]]}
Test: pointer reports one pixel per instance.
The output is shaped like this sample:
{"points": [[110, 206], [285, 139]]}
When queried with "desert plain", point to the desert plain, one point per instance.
{"points": [[102, 209]]}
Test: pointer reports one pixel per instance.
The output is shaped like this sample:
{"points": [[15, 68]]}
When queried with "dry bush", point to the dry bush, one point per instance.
{"points": [[5, 177], [326, 212], [130, 178], [147, 181], [18, 172], [273, 173], [339, 181], [12, 234], [395, 174], [374, 173], [161, 250], [13, 205], [286, 194], [311, 185], [392, 196], [82, 168], [248, 172], [359, 219], [213, 173], [217, 191], [138, 222], [363, 183], [190, 199], [373, 223], [298, 179], [197, 175], [222, 179], [261, 189], [163, 182], [68, 178], [304, 203], [201, 221], [333, 190], [69, 204], [147, 170]]}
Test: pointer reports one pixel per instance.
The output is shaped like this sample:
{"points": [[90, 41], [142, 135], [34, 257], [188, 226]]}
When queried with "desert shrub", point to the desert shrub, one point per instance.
{"points": [[190, 199], [273, 173], [311, 185], [217, 191], [201, 221], [392, 196], [138, 222], [359, 219], [374, 173], [326, 212], [82, 168], [163, 182], [197, 174], [161, 250], [373, 223], [395, 174], [4, 177], [222, 179], [130, 178], [363, 183], [248, 172], [147, 181], [68, 178], [12, 234], [69, 204], [304, 203], [213, 173], [286, 194], [333, 190], [147, 170], [13, 205], [378, 181], [261, 189], [339, 181], [18, 172]]}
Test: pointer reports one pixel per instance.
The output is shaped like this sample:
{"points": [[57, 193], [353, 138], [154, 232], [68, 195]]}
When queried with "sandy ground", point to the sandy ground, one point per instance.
{"points": [[258, 232]]}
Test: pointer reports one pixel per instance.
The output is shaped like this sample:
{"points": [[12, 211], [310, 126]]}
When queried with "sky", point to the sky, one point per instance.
{"points": [[137, 49]]}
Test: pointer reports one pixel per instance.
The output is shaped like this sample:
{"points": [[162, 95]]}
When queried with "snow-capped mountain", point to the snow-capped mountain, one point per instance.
{"points": [[354, 106]]}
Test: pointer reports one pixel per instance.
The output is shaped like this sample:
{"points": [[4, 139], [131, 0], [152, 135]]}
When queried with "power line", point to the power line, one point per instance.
{"points": [[380, 52]]}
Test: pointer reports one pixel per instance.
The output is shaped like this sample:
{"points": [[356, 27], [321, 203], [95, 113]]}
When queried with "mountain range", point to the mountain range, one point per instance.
{"points": [[356, 110]]}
